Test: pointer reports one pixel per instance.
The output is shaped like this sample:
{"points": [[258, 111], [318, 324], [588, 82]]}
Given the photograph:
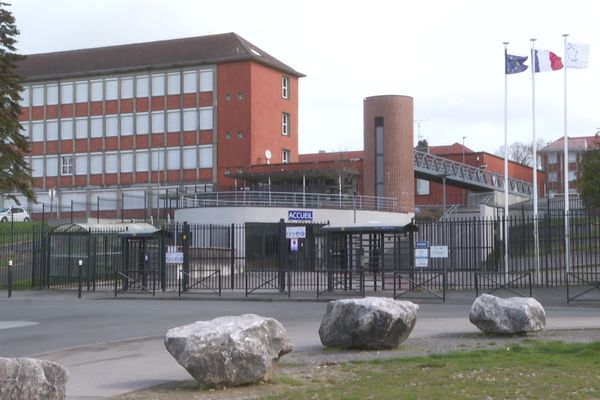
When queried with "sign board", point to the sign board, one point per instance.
{"points": [[439, 251], [421, 262], [421, 244], [294, 244], [421, 253], [300, 215], [295, 232], [174, 258]]}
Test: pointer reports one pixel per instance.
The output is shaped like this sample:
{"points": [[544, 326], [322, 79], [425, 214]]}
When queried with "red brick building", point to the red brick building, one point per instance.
{"points": [[179, 114], [553, 161]]}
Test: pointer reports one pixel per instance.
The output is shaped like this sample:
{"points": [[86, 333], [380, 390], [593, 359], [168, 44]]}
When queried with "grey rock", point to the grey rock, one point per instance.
{"points": [[493, 314], [369, 323], [229, 351], [31, 379]]}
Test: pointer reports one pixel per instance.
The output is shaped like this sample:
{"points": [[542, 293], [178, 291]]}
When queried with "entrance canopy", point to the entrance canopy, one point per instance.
{"points": [[122, 229], [371, 228]]}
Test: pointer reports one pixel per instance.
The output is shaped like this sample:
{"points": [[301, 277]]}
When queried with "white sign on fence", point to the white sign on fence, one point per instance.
{"points": [[295, 232], [174, 258], [438, 251]]}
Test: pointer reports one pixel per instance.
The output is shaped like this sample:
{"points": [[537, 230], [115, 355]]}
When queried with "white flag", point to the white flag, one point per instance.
{"points": [[578, 55]]}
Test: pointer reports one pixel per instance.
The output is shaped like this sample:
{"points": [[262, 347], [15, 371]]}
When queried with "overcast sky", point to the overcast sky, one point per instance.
{"points": [[447, 55]]}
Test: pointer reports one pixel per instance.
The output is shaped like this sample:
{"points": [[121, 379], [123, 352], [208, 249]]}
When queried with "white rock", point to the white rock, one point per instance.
{"points": [[493, 314], [369, 323], [229, 351], [31, 379]]}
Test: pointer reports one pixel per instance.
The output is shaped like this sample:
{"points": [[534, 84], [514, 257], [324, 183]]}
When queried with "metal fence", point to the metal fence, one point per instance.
{"points": [[257, 258]]}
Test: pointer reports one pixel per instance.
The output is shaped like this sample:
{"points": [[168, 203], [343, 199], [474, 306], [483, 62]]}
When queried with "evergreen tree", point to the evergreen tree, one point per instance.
{"points": [[589, 183], [15, 174]]}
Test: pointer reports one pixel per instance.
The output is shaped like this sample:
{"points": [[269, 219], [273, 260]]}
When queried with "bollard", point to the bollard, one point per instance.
{"points": [[80, 265], [10, 264]]}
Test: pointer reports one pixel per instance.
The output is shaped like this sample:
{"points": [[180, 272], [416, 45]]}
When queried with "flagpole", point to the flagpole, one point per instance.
{"points": [[535, 184], [566, 169], [505, 165]]}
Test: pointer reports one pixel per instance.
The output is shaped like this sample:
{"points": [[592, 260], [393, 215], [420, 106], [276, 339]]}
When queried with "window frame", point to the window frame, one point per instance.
{"points": [[66, 165], [285, 87], [285, 124]]}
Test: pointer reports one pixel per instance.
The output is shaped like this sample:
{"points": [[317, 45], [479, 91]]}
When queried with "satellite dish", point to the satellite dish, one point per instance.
{"points": [[268, 156]]}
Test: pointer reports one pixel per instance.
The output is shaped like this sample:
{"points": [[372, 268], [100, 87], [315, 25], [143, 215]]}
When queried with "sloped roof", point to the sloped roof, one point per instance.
{"points": [[574, 143], [455, 148], [199, 50]]}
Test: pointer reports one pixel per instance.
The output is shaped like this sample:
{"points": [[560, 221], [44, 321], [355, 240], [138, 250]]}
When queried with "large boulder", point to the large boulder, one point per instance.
{"points": [[229, 351], [31, 379], [369, 323], [493, 314]]}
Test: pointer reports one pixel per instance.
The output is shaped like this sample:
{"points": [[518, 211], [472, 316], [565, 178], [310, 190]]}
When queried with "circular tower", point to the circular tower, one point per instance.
{"points": [[388, 159]]}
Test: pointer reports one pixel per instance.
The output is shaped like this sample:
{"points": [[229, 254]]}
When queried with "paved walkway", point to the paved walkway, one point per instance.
{"points": [[129, 353]]}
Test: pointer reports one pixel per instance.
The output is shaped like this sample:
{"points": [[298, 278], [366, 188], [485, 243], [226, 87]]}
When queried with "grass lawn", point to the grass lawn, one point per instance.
{"points": [[530, 370]]}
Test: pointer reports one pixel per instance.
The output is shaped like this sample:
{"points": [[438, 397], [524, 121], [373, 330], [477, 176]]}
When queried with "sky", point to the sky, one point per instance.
{"points": [[447, 55]]}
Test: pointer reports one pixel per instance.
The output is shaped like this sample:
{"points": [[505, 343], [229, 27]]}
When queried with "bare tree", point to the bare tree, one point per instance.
{"points": [[522, 153]]}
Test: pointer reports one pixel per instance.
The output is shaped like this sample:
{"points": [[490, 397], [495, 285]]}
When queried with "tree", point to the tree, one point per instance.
{"points": [[522, 153], [15, 174], [589, 183]]}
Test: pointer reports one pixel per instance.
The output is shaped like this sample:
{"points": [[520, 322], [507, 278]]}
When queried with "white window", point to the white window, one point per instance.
{"points": [[158, 122], [552, 176], [173, 83], [96, 163], [38, 96], [96, 88], [173, 159], [96, 127], [572, 176], [126, 88], [81, 128], [552, 158], [141, 160], [173, 121], [285, 87], [37, 131], [158, 85], [190, 82], [141, 121], [572, 157], [112, 163], [81, 165], [141, 86], [112, 89], [66, 129], [126, 125], [190, 120], [52, 166], [37, 167], [52, 130], [285, 124], [66, 93], [206, 80], [52, 95], [127, 161], [24, 102], [423, 188], [25, 129], [285, 156], [189, 158], [206, 118], [206, 157], [66, 165], [112, 126], [81, 92], [158, 160]]}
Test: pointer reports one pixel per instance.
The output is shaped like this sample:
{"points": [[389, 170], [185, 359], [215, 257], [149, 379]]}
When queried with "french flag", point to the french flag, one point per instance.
{"points": [[545, 60]]}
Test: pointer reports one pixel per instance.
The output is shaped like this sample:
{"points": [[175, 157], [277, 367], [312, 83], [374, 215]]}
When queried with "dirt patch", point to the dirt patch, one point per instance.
{"points": [[321, 366]]}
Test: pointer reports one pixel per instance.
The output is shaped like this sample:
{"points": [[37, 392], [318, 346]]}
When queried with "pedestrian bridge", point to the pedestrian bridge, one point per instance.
{"points": [[439, 169]]}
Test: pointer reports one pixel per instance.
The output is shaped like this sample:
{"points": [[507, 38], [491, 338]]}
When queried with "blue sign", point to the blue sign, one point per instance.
{"points": [[421, 244], [300, 215]]}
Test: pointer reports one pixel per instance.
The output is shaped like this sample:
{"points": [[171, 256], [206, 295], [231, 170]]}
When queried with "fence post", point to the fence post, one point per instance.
{"points": [[232, 256], [185, 244], [283, 252], [79, 266], [10, 265], [71, 211], [98, 209]]}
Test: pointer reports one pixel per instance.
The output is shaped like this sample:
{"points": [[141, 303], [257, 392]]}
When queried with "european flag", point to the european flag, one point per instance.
{"points": [[514, 64]]}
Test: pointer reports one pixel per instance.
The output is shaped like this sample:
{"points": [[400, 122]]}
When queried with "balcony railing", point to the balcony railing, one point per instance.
{"points": [[244, 198]]}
